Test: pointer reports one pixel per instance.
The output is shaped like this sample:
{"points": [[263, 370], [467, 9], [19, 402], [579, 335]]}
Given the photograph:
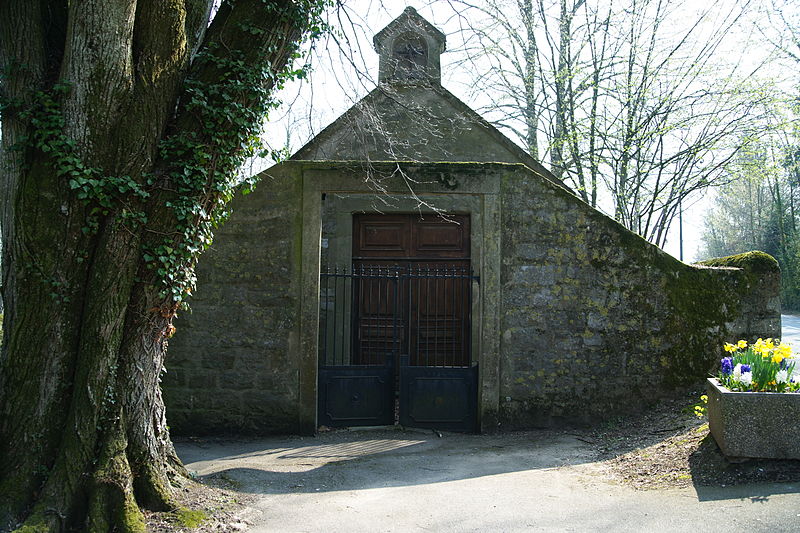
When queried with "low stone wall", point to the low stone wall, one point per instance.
{"points": [[596, 321]]}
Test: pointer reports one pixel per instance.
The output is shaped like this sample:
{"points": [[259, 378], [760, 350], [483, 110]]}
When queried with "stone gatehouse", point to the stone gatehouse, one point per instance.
{"points": [[412, 262]]}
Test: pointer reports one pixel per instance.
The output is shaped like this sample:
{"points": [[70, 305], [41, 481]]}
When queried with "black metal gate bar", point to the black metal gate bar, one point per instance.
{"points": [[441, 322], [364, 333], [361, 321], [359, 316], [438, 386], [356, 356]]}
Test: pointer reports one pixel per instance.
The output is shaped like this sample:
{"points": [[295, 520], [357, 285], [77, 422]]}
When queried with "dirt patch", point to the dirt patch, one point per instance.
{"points": [[211, 506], [668, 446]]}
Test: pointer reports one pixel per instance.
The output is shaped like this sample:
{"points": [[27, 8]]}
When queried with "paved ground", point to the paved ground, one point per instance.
{"points": [[374, 481], [791, 331]]}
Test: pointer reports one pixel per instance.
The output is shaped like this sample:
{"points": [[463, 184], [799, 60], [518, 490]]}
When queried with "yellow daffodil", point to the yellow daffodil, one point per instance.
{"points": [[763, 347], [742, 344], [729, 347], [784, 349], [777, 354]]}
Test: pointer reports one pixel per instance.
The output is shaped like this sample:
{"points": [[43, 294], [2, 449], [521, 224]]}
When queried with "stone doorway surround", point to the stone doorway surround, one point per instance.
{"points": [[332, 194]]}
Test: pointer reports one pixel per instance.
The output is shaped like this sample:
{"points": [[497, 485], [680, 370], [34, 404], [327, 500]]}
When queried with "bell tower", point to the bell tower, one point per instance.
{"points": [[409, 49]]}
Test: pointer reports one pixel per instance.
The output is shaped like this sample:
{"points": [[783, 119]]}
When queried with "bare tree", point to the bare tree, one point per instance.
{"points": [[780, 26], [633, 97], [529, 73], [675, 114]]}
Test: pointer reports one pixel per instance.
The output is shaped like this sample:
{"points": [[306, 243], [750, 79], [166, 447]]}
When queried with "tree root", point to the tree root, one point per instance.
{"points": [[152, 490], [113, 495], [112, 506]]}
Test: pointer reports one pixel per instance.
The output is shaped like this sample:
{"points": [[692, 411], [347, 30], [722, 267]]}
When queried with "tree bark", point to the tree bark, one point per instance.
{"points": [[93, 92], [531, 60]]}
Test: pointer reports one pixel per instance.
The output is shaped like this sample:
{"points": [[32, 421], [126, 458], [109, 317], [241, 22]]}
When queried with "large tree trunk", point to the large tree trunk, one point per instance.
{"points": [[103, 137]]}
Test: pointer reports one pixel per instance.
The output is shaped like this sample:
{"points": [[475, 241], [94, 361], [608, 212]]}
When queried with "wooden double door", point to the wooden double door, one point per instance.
{"points": [[428, 317], [395, 326]]}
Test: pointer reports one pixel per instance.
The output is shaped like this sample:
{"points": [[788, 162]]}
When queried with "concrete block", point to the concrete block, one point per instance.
{"points": [[754, 424]]}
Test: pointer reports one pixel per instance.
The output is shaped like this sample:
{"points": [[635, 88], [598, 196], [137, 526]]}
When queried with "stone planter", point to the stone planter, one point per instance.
{"points": [[754, 424]]}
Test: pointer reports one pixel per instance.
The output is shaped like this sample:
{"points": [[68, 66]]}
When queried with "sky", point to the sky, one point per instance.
{"points": [[345, 69]]}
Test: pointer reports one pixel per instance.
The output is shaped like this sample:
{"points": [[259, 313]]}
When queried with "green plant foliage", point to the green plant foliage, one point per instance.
{"points": [[758, 209], [190, 518], [105, 193], [203, 166]]}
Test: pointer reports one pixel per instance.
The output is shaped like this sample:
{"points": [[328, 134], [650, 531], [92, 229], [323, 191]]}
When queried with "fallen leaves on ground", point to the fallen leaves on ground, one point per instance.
{"points": [[668, 446]]}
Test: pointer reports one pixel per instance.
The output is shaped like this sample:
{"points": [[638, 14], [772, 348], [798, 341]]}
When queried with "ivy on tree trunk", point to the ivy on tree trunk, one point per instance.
{"points": [[124, 124]]}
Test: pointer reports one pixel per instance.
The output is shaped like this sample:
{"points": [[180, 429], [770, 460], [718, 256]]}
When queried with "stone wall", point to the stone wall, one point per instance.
{"points": [[596, 321], [579, 319], [232, 365]]}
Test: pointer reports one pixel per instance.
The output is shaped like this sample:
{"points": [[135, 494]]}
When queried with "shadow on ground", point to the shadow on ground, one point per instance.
{"points": [[754, 479], [668, 447], [366, 460], [665, 447]]}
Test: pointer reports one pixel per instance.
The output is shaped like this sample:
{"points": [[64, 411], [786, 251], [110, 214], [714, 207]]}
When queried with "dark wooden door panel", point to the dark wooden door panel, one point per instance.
{"points": [[382, 236], [434, 237], [380, 319], [432, 312], [411, 237]]}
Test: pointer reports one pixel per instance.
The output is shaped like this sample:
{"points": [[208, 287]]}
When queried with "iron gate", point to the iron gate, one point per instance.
{"points": [[395, 346]]}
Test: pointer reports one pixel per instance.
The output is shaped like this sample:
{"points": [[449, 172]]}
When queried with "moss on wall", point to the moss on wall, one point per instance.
{"points": [[594, 315], [710, 300], [755, 263]]}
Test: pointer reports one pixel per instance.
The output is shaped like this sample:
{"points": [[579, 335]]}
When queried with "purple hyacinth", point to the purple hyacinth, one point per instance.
{"points": [[727, 366], [745, 368]]}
